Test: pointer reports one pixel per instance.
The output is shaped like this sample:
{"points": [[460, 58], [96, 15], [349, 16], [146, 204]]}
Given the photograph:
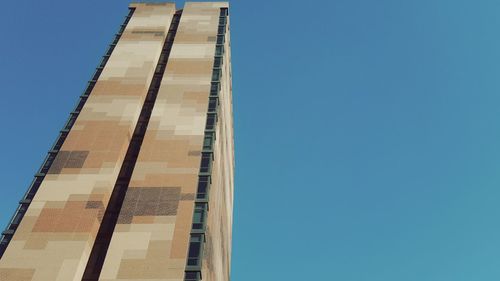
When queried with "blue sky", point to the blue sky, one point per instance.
{"points": [[367, 132]]}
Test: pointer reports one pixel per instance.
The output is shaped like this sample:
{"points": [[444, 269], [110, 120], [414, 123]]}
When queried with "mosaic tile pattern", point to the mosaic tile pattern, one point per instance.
{"points": [[56, 235], [151, 238], [150, 241]]}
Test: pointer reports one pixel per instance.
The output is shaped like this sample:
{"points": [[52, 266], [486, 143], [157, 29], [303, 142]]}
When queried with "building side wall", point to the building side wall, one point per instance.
{"points": [[217, 253], [55, 237], [151, 238]]}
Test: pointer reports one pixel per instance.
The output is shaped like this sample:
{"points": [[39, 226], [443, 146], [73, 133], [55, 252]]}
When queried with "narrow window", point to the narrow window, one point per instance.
{"points": [[222, 29], [206, 163], [216, 74], [199, 216], [195, 248], [210, 122], [217, 62], [214, 89], [212, 104], [203, 185], [220, 40], [219, 50], [208, 142], [192, 276]]}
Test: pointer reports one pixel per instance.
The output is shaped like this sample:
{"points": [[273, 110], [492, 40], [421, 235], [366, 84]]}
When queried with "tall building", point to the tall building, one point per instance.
{"points": [[139, 183]]}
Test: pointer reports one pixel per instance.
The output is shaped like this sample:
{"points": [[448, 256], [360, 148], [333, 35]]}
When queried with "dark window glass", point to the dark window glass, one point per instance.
{"points": [[206, 163], [34, 187], [80, 104], [217, 62], [194, 254], [23, 208], [223, 12], [220, 39], [88, 90], [192, 276], [141, 128], [159, 68], [222, 20], [170, 36], [48, 162], [208, 142], [203, 185], [90, 86], [110, 50], [70, 123], [216, 74], [219, 50], [212, 104], [96, 74], [156, 81], [222, 29], [59, 142], [104, 61], [199, 215], [214, 89], [210, 122], [17, 218]]}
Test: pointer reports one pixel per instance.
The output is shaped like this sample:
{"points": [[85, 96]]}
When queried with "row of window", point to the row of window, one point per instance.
{"points": [[47, 163], [197, 238]]}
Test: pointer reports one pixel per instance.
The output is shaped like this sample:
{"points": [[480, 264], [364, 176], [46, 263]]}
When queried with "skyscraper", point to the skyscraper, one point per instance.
{"points": [[139, 183]]}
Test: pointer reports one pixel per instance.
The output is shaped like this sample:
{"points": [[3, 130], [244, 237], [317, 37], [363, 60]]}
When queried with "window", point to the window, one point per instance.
{"points": [[195, 250], [104, 61], [211, 118], [203, 185], [208, 142], [87, 91], [17, 219], [159, 68], [206, 163], [156, 82], [223, 12], [217, 62], [220, 39], [222, 29], [212, 104], [216, 74], [70, 122], [219, 50], [80, 104], [192, 276], [110, 50], [48, 162], [214, 89], [199, 216], [96, 74], [170, 37], [34, 188], [59, 142]]}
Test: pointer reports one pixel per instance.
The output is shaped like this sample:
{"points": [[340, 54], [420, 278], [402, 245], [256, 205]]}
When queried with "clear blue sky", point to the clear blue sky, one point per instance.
{"points": [[367, 132]]}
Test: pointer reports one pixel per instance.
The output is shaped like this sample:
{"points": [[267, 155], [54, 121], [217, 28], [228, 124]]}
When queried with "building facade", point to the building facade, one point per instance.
{"points": [[139, 183]]}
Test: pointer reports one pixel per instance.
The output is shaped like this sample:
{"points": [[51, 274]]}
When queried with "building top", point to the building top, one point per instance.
{"points": [[221, 4]]}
